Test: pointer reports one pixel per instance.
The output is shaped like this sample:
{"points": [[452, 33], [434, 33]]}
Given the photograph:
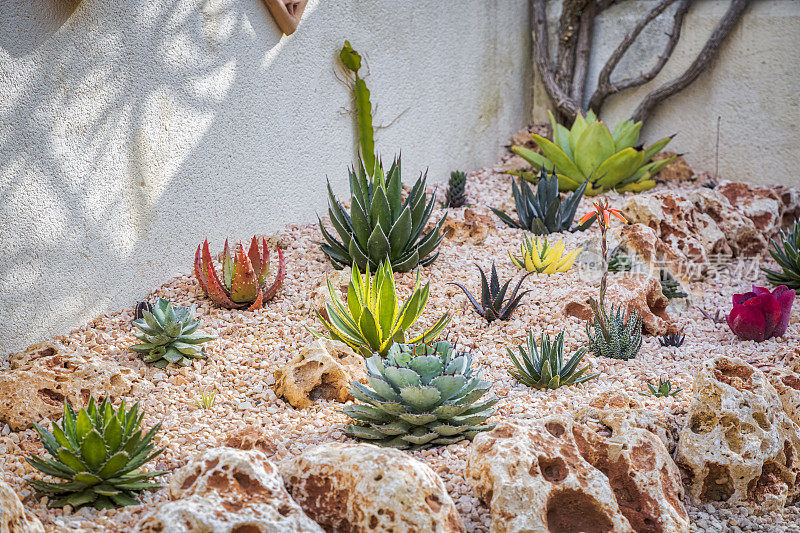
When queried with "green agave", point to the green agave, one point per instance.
{"points": [[662, 390], [421, 395], [590, 153], [381, 226], [372, 320], [98, 451], [544, 368], [169, 335], [787, 254]]}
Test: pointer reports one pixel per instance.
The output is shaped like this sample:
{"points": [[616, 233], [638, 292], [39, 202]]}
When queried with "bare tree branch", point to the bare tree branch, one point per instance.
{"points": [[568, 29], [562, 101], [701, 62], [604, 86], [583, 53]]}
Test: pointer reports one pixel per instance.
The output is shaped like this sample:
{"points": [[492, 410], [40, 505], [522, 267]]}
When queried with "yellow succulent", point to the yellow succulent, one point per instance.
{"points": [[543, 258]]}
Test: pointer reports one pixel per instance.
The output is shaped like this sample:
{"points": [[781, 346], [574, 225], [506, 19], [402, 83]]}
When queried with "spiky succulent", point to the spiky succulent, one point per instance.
{"points": [[98, 451], [243, 284], [612, 334], [545, 369], [787, 254], [372, 319], [494, 304], [456, 195], [545, 212], [420, 395], [619, 262], [670, 286], [672, 339], [590, 153], [381, 226], [543, 258], [169, 335], [663, 389]]}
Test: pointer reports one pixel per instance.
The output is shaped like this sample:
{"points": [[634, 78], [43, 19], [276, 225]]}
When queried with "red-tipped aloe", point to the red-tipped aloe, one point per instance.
{"points": [[243, 282]]}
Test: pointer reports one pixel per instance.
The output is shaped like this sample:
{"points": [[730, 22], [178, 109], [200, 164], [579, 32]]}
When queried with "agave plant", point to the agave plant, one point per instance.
{"points": [[98, 451], [243, 284], [421, 395], [787, 254], [615, 335], [590, 153], [456, 195], [545, 369], [672, 339], [494, 304], [543, 258], [372, 320], [381, 226], [545, 212], [663, 389], [169, 335]]}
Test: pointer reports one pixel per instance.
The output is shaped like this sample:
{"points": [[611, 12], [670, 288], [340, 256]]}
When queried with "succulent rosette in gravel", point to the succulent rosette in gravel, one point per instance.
{"points": [[759, 314]]}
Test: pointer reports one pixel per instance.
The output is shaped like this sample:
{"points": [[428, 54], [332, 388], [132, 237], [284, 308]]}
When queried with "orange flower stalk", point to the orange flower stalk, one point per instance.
{"points": [[603, 213]]}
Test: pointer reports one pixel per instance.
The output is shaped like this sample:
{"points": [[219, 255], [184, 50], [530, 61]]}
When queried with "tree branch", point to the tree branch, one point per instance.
{"points": [[583, 53], [563, 102], [569, 27], [701, 62], [604, 86]]}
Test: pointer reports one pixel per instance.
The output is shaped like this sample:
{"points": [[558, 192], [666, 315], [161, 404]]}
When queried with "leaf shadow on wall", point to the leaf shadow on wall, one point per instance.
{"points": [[104, 150]]}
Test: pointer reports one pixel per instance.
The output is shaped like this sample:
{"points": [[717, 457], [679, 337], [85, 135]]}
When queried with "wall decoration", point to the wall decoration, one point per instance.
{"points": [[286, 13]]}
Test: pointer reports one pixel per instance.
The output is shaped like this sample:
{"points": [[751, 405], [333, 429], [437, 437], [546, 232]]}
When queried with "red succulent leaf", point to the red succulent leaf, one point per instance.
{"points": [[273, 289], [747, 322], [785, 298], [258, 303], [244, 289], [255, 258], [216, 292], [199, 272]]}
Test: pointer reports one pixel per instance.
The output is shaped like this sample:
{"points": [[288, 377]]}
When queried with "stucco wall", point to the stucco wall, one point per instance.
{"points": [[131, 130], [754, 86]]}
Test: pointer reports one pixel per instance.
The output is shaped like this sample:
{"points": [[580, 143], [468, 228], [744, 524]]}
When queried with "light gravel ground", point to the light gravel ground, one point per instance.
{"points": [[252, 345]]}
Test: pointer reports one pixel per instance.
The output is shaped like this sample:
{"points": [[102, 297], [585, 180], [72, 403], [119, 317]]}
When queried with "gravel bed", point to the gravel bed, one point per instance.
{"points": [[252, 345]]}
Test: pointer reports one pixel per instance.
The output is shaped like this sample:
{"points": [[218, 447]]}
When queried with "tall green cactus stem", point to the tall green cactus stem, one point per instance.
{"points": [[366, 134]]}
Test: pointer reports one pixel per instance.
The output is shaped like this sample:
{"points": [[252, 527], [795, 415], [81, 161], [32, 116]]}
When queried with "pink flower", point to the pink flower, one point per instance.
{"points": [[759, 314]]}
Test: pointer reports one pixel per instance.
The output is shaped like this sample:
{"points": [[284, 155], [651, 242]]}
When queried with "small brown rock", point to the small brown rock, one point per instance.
{"points": [[44, 375], [472, 230], [323, 370], [13, 516]]}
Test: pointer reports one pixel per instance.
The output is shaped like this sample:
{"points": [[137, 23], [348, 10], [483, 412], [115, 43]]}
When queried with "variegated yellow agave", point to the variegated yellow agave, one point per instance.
{"points": [[589, 151], [543, 258], [371, 320]]}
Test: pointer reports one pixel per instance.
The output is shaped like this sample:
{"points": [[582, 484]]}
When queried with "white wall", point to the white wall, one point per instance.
{"points": [[132, 129], [754, 85]]}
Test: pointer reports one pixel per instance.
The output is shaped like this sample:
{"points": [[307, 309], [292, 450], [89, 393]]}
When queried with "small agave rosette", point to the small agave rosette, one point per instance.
{"points": [[419, 396]]}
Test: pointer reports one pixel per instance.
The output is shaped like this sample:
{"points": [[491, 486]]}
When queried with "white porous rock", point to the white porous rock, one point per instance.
{"points": [[738, 444], [13, 517], [365, 488], [226, 490], [558, 475]]}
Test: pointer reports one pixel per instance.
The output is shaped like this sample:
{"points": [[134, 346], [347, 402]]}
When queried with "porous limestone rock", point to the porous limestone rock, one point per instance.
{"points": [[638, 292], [770, 208], [787, 385], [13, 517], [252, 438], [322, 370], [472, 230], [44, 375], [642, 245], [224, 491], [365, 488], [738, 444], [560, 476], [676, 171]]}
